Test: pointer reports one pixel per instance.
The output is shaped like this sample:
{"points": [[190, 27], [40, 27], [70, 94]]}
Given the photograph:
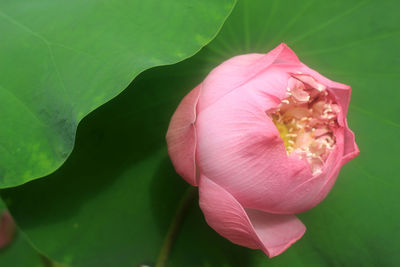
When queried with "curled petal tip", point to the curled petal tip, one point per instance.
{"points": [[271, 233]]}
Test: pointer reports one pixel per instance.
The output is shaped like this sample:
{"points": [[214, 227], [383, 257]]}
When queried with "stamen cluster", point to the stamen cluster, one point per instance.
{"points": [[306, 121]]}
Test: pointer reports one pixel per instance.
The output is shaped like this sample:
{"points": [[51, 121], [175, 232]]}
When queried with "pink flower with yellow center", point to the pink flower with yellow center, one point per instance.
{"points": [[307, 120], [264, 137]]}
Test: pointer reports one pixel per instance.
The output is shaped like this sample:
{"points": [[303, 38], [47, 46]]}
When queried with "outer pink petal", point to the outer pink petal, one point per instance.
{"points": [[312, 191], [271, 233], [181, 137], [350, 147], [240, 70], [240, 148]]}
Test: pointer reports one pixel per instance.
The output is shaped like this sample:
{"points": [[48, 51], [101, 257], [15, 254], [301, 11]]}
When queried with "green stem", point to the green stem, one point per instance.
{"points": [[174, 227]]}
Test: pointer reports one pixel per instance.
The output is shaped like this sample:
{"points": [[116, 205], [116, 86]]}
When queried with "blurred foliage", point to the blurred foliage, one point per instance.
{"points": [[19, 253]]}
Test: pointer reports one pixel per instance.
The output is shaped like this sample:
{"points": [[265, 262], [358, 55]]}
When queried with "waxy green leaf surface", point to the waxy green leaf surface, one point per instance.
{"points": [[59, 60]]}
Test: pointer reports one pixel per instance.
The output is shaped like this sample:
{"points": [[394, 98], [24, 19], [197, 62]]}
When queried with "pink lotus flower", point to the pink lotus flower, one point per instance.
{"points": [[264, 137]]}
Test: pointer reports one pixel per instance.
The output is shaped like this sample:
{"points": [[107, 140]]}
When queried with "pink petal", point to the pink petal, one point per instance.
{"points": [[271, 233], [343, 99], [341, 91], [320, 78], [284, 54], [181, 137], [239, 146], [297, 112], [321, 131], [312, 191], [7, 229], [297, 90], [350, 147], [240, 70], [310, 81]]}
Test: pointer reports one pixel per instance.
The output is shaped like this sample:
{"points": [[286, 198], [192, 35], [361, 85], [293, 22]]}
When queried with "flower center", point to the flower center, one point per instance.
{"points": [[306, 121]]}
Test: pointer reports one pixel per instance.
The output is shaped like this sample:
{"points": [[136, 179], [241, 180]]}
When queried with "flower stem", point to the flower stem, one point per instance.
{"points": [[174, 227]]}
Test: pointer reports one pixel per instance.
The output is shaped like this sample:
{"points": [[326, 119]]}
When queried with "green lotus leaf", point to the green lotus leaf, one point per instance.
{"points": [[62, 59]]}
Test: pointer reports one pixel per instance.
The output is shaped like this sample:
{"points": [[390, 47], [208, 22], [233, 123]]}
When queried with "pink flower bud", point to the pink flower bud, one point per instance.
{"points": [[7, 229], [264, 138]]}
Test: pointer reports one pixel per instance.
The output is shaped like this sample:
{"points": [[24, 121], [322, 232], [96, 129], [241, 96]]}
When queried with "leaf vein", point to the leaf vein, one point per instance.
{"points": [[332, 20], [354, 43], [377, 117], [25, 105]]}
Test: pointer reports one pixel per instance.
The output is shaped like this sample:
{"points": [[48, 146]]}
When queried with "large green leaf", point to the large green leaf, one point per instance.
{"points": [[111, 203], [113, 199], [62, 59], [21, 253]]}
